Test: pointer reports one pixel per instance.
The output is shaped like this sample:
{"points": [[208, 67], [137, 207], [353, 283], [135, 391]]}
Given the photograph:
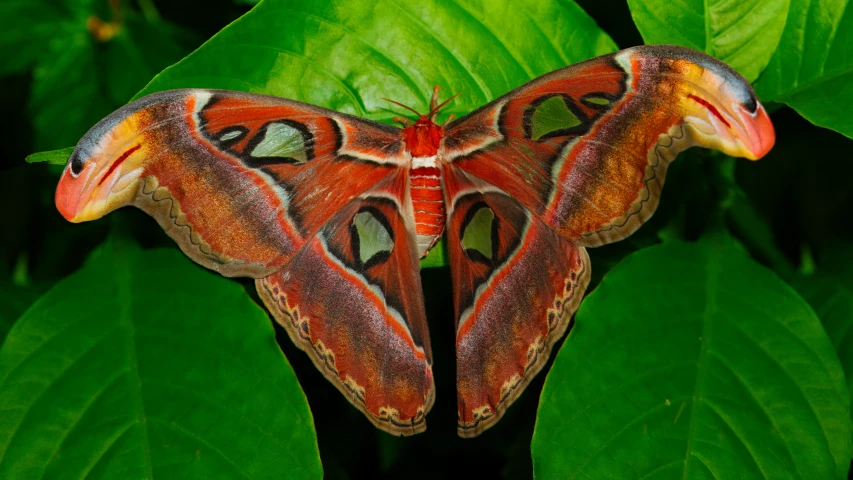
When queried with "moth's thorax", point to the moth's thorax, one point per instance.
{"points": [[423, 137]]}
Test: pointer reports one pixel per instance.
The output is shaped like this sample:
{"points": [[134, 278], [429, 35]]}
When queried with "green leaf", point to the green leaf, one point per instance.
{"points": [[142, 364], [347, 56], [77, 79], [830, 292], [137, 54], [743, 34], [28, 27], [812, 70], [52, 157], [833, 303], [692, 361], [13, 301], [437, 257], [65, 99]]}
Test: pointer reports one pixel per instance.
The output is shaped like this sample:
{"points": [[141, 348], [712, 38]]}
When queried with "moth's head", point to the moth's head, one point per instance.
{"points": [[104, 170], [423, 137], [716, 101]]}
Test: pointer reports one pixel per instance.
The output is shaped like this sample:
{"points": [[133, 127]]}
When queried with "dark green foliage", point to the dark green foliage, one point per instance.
{"points": [[700, 377], [138, 365], [692, 357]]}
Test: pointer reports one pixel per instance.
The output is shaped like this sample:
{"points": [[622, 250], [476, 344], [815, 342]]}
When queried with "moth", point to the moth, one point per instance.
{"points": [[331, 213]]}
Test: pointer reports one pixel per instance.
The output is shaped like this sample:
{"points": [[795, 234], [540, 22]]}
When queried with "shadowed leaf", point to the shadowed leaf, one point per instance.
{"points": [[140, 365], [690, 360], [830, 292]]}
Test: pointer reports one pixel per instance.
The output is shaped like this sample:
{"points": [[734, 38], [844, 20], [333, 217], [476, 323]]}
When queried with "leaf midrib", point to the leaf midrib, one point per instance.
{"points": [[713, 272], [125, 300]]}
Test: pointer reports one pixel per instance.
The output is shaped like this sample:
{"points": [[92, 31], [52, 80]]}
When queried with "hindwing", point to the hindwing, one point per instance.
{"points": [[351, 298], [517, 284]]}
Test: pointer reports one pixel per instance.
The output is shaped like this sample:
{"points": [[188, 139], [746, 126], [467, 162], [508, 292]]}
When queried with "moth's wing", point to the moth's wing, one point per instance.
{"points": [[516, 284], [575, 158], [239, 181], [285, 192], [586, 148], [352, 299]]}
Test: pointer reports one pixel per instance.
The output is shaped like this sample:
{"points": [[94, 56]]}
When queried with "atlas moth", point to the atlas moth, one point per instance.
{"points": [[330, 213]]}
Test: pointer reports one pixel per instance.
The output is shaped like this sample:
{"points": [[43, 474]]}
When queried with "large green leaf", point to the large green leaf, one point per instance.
{"points": [[829, 290], [347, 56], [832, 300], [142, 364], [812, 70], [692, 361], [13, 301], [743, 34]]}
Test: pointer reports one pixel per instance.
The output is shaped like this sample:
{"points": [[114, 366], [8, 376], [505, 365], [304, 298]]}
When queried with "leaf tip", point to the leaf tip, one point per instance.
{"points": [[52, 157]]}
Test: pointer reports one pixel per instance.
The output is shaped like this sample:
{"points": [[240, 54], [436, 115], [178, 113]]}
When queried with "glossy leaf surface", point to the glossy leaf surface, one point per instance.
{"points": [[410, 46], [812, 69], [829, 291], [743, 34], [142, 364], [690, 360]]}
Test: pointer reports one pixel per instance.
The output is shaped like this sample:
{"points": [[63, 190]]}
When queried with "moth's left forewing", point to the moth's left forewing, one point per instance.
{"points": [[238, 180]]}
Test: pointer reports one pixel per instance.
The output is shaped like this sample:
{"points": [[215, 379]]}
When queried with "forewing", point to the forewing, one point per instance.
{"points": [[516, 284], [239, 181], [352, 299], [307, 200], [586, 148]]}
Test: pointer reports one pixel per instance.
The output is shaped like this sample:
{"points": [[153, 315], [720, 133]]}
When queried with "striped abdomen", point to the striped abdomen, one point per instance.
{"points": [[428, 203]]}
